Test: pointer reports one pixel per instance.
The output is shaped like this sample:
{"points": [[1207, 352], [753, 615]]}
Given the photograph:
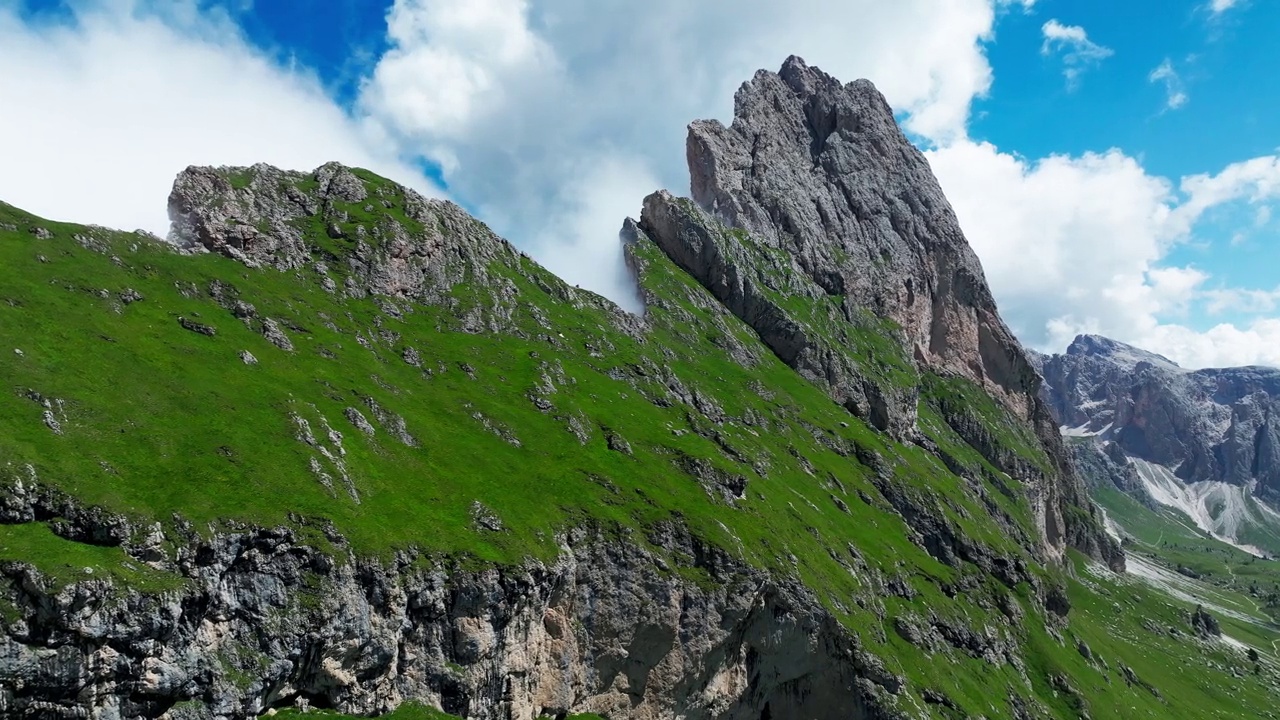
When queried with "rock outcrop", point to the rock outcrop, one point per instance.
{"points": [[1205, 625], [394, 242], [816, 221]]}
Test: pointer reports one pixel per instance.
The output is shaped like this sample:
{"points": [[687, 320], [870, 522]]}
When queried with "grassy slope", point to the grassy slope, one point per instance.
{"points": [[158, 420], [1227, 576]]}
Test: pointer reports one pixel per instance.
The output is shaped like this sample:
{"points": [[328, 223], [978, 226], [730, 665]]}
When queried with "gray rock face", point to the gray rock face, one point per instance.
{"points": [[757, 288], [813, 194], [822, 172], [1104, 465], [257, 215], [264, 621], [1211, 425]]}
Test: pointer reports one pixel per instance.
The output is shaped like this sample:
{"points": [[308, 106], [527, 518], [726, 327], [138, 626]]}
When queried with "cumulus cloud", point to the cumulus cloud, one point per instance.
{"points": [[1062, 239], [1077, 244], [1217, 7], [1256, 180], [452, 64], [1253, 302], [1223, 345], [1174, 89], [100, 114], [1073, 45], [564, 95]]}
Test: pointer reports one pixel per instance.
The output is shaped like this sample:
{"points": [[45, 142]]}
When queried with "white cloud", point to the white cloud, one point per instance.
{"points": [[1220, 346], [588, 208], [1253, 302], [1078, 52], [1062, 239], [452, 63], [1078, 244], [1175, 91], [572, 90], [1217, 7], [1256, 180], [100, 115]]}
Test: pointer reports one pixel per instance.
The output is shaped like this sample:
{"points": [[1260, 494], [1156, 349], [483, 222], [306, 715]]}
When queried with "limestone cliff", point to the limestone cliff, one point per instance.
{"points": [[264, 617], [811, 211]]}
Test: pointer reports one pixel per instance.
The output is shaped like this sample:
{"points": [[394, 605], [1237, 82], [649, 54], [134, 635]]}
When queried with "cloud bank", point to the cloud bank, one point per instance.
{"points": [[1078, 244], [101, 114]]}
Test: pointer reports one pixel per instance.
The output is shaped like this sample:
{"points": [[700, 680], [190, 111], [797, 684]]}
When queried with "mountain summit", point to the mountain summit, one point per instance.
{"points": [[1115, 352], [822, 227]]}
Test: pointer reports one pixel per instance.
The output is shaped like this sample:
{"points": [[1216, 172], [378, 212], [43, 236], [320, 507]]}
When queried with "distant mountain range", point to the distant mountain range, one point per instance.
{"points": [[1206, 442]]}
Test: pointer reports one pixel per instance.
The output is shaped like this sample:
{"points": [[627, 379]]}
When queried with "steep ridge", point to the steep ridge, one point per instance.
{"points": [[1206, 442], [820, 225], [345, 448]]}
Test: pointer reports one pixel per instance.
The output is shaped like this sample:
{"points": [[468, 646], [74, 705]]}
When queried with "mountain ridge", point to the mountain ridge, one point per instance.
{"points": [[348, 449], [857, 209]]}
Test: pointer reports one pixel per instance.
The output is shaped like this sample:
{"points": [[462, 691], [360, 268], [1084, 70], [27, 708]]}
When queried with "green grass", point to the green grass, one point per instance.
{"points": [[156, 420], [958, 398], [1116, 618], [64, 561], [1231, 577]]}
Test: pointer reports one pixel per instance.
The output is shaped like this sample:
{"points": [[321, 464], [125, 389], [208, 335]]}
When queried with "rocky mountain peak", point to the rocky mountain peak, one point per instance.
{"points": [[1116, 352], [820, 170], [377, 236], [1211, 425], [816, 221]]}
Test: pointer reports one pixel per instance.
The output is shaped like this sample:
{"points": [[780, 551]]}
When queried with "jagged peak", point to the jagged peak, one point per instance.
{"points": [[808, 80], [1120, 353], [815, 194], [820, 170], [782, 131]]}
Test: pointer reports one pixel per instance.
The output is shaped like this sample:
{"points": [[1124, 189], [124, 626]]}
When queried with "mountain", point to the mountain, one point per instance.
{"points": [[816, 222], [1206, 442], [338, 446]]}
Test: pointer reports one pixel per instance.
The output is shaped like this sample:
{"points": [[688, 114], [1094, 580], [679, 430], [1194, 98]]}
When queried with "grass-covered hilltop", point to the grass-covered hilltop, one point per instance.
{"points": [[338, 447]]}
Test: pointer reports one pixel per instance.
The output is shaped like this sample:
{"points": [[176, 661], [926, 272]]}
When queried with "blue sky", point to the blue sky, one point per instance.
{"points": [[1068, 135], [1227, 65]]}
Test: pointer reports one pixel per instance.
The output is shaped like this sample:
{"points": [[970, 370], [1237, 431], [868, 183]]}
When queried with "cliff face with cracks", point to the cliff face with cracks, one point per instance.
{"points": [[812, 209], [608, 628]]}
